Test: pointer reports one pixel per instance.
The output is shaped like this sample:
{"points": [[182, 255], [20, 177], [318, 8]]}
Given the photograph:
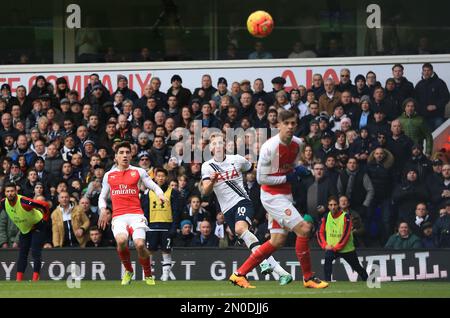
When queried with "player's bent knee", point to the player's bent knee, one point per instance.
{"points": [[121, 240], [240, 227], [139, 244]]}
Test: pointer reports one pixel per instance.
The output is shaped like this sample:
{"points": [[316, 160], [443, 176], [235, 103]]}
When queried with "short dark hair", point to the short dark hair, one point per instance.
{"points": [[332, 198], [123, 144], [9, 185], [94, 228], [398, 65], [285, 115], [157, 170], [427, 65]]}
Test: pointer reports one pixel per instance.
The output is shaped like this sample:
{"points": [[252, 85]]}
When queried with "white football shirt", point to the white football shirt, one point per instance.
{"points": [[229, 187]]}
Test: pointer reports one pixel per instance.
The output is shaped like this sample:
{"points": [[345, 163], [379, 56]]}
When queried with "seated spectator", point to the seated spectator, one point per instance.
{"points": [[403, 239], [96, 238], [427, 235], [69, 224], [185, 236], [205, 238], [260, 52], [422, 217], [221, 230]]}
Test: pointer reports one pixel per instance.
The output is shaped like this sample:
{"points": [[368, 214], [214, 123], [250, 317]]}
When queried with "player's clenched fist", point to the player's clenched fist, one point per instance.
{"points": [[214, 176]]}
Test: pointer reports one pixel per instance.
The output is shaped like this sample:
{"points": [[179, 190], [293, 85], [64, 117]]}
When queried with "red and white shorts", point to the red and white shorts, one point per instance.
{"points": [[283, 215], [130, 224]]}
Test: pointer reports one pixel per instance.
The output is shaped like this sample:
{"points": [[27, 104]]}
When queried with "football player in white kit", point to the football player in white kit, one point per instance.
{"points": [[277, 169], [223, 175]]}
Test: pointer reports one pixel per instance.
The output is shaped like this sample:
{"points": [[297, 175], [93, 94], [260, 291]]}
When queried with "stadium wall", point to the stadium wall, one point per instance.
{"points": [[296, 71], [218, 264]]}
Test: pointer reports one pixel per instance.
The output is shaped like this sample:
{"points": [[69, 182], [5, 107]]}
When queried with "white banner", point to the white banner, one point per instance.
{"points": [[140, 74]]}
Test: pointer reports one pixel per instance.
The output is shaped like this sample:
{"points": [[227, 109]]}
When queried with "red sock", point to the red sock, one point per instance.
{"points": [[145, 263], [304, 256], [125, 259], [35, 276], [19, 276], [260, 254]]}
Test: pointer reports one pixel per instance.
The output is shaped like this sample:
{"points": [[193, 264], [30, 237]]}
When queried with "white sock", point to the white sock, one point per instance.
{"points": [[276, 267], [167, 263], [251, 241]]}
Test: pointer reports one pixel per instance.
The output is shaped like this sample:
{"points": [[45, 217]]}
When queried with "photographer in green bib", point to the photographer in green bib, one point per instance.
{"points": [[31, 217], [336, 238]]}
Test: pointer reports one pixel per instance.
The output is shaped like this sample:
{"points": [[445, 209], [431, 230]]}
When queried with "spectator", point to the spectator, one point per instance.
{"points": [[403, 87], [440, 192], [206, 91], [403, 239], [432, 96], [278, 86], [360, 90], [420, 162], [399, 145], [330, 99], [379, 170], [299, 52], [318, 86], [185, 236], [182, 94], [346, 83], [326, 148], [427, 235], [441, 228], [357, 186], [414, 125], [160, 97], [260, 52], [9, 233], [96, 238], [318, 189], [422, 216], [221, 230], [69, 224], [205, 238], [408, 193], [122, 87]]}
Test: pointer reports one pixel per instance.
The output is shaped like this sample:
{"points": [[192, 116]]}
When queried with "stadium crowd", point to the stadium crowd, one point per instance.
{"points": [[364, 143]]}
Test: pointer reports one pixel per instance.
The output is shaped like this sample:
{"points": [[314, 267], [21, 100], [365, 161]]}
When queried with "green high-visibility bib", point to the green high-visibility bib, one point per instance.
{"points": [[335, 230], [23, 219]]}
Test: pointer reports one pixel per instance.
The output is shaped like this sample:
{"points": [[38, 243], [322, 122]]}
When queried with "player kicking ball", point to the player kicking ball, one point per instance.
{"points": [[223, 175], [277, 169], [127, 215]]}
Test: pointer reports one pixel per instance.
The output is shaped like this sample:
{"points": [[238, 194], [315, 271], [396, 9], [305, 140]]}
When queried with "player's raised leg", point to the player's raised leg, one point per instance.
{"points": [[267, 265]]}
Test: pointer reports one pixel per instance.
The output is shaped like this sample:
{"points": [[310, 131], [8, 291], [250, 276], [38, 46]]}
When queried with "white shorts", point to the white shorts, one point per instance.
{"points": [[282, 212], [127, 224]]}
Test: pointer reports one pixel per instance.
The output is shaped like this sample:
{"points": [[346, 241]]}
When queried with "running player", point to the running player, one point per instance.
{"points": [[277, 169], [127, 215], [223, 175], [31, 217]]}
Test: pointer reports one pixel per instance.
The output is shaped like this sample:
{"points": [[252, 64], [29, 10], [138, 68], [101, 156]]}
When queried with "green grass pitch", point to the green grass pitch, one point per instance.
{"points": [[219, 289]]}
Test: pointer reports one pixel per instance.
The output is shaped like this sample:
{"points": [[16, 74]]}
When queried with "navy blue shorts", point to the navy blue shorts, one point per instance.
{"points": [[159, 240], [242, 211]]}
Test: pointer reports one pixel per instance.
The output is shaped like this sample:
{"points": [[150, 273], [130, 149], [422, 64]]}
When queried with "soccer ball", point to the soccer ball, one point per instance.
{"points": [[260, 24]]}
